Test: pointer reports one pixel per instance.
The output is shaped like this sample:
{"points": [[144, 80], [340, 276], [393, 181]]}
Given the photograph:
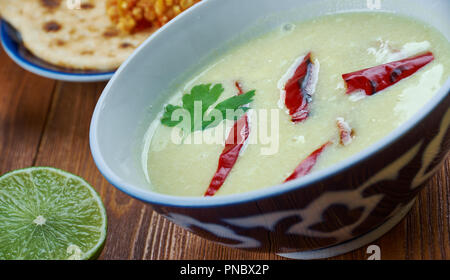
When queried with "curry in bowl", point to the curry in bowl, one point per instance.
{"points": [[300, 98]]}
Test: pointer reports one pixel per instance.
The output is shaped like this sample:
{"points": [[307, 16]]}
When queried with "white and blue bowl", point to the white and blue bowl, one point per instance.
{"points": [[326, 213], [13, 46]]}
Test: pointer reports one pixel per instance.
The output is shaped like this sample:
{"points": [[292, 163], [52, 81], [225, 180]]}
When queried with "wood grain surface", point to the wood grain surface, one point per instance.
{"points": [[46, 123]]}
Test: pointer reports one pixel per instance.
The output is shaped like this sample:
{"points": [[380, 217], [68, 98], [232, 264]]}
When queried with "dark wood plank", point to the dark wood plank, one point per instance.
{"points": [[24, 102]]}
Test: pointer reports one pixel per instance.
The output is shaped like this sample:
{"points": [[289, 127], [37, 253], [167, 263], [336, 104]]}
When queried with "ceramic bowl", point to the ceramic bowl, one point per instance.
{"points": [[323, 214]]}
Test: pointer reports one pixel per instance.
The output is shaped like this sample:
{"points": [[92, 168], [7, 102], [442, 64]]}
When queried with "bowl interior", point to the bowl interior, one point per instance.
{"points": [[135, 94]]}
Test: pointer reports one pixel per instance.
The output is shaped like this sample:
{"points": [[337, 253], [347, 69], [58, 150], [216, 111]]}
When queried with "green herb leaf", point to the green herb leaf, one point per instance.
{"points": [[234, 103], [204, 93], [167, 117], [199, 101]]}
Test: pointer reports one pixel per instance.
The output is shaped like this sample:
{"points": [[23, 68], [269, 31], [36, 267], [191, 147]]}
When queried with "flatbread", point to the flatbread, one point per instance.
{"points": [[72, 34]]}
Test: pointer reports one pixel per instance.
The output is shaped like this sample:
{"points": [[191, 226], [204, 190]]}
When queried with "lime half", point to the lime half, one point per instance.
{"points": [[47, 213]]}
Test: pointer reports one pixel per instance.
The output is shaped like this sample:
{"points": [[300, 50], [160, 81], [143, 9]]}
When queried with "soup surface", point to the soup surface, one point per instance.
{"points": [[341, 123]]}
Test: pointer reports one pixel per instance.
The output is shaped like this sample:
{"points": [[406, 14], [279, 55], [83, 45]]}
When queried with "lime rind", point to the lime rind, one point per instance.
{"points": [[62, 216]]}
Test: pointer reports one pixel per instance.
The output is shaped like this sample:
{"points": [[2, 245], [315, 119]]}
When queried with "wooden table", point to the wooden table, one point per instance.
{"points": [[46, 123]]}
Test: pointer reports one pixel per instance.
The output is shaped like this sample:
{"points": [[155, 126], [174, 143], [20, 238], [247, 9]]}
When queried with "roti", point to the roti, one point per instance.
{"points": [[74, 34]]}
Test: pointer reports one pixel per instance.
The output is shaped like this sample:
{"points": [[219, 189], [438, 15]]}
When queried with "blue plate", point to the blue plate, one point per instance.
{"points": [[12, 43]]}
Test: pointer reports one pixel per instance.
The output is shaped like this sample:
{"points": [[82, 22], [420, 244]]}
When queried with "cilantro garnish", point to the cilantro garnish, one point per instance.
{"points": [[200, 101]]}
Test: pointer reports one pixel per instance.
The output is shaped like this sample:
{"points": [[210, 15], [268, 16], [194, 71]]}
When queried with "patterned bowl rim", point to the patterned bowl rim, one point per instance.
{"points": [[155, 198], [12, 50]]}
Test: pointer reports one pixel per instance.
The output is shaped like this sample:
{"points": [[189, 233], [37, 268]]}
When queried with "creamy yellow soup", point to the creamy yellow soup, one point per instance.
{"points": [[340, 44]]}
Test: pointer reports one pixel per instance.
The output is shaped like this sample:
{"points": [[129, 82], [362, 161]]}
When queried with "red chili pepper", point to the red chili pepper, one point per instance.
{"points": [[233, 145], [375, 79], [298, 95], [304, 168]]}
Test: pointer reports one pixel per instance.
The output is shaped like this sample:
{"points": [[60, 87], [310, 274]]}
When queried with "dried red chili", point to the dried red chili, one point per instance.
{"points": [[375, 79], [298, 90], [233, 146], [305, 167]]}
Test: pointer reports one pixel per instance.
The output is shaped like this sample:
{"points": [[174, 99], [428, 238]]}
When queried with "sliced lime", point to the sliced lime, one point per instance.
{"points": [[47, 213]]}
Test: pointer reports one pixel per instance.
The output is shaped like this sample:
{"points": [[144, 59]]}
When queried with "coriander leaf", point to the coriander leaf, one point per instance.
{"points": [[235, 103], [213, 121], [232, 108], [167, 117], [204, 94], [193, 113]]}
